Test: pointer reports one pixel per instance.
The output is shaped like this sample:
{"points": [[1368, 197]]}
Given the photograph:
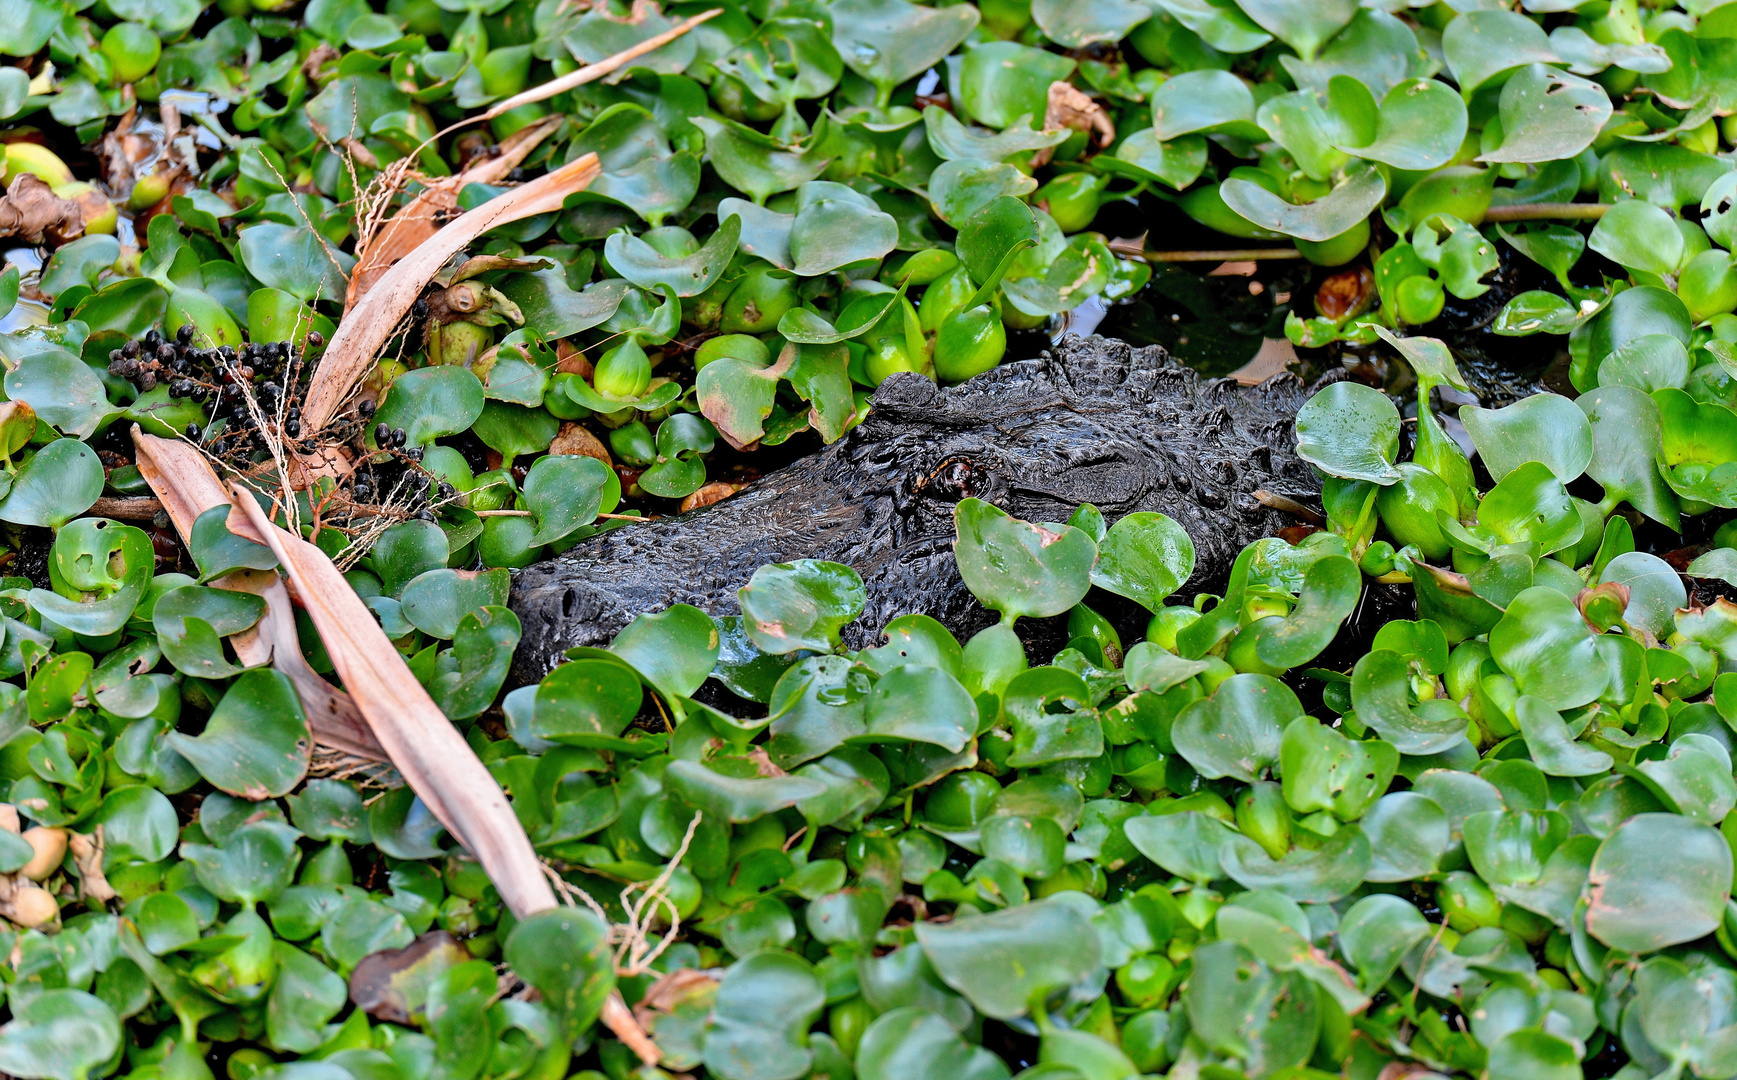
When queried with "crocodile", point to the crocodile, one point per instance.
{"points": [[1090, 420]]}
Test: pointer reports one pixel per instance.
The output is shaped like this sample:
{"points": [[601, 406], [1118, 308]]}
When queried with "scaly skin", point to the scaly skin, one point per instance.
{"points": [[1094, 421]]}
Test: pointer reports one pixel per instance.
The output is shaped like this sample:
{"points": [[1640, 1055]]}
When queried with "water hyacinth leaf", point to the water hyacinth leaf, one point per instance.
{"points": [[914, 1043], [1655, 591], [565, 954], [800, 605], [1001, 81], [565, 492], [1019, 568], [1512, 847], [64, 392], [306, 995], [999, 960], [735, 798], [890, 41], [254, 863], [1186, 843], [753, 163], [1658, 880], [689, 275], [989, 234], [1237, 731], [1074, 26], [1324, 770], [1376, 933], [217, 551], [1548, 114], [1304, 29], [1331, 587], [294, 258], [1326, 217], [1309, 877], [1530, 505], [1241, 1007], [1639, 236], [1698, 454], [60, 1034], [432, 402], [256, 743], [1352, 431], [758, 1029], [1207, 102], [1379, 693], [1419, 125], [925, 704], [436, 600], [1647, 363], [960, 190], [951, 138], [1546, 647], [674, 650], [59, 482], [1626, 431], [1145, 556], [1408, 835], [1695, 778], [1551, 744], [191, 622], [1544, 427], [82, 565], [1482, 44], [470, 674]]}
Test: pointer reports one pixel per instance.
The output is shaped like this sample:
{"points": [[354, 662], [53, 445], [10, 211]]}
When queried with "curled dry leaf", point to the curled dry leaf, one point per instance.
{"points": [[32, 212], [574, 438], [716, 491], [1070, 109], [87, 855]]}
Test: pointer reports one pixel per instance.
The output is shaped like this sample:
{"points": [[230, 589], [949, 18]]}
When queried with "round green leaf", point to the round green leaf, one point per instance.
{"points": [[1019, 568], [1326, 217], [256, 744], [1545, 645], [58, 483], [1658, 880], [1542, 428], [1145, 556], [800, 605], [1352, 431], [432, 402], [998, 961], [1237, 731], [59, 1034], [758, 1029]]}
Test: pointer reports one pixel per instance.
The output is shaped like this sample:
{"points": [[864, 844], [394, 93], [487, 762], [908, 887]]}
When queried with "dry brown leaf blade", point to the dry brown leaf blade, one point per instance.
{"points": [[184, 482], [364, 332]]}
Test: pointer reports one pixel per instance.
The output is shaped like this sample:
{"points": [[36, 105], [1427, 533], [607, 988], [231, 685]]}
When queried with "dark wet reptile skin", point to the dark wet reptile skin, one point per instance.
{"points": [[1093, 421]]}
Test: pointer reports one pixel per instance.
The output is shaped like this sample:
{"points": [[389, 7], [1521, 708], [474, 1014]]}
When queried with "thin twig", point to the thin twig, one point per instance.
{"points": [[1133, 249], [1547, 211]]}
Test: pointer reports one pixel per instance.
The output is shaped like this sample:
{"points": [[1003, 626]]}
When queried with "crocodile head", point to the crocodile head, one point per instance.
{"points": [[1094, 421]]}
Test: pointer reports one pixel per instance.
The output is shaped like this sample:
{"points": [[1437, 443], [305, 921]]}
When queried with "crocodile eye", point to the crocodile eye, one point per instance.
{"points": [[954, 480]]}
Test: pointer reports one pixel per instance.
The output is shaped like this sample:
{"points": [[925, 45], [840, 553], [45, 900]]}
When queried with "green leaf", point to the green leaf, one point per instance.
{"points": [[432, 402], [1236, 731], [1541, 428], [1480, 45], [306, 996], [1324, 770], [889, 41], [1552, 745], [294, 258], [1075, 25], [1018, 568], [1626, 433], [1304, 28], [472, 671], [989, 234], [1240, 1007], [1408, 836], [1352, 431], [565, 954], [256, 744], [255, 863], [1380, 694], [83, 563], [1000, 960], [918, 703], [690, 275], [673, 650], [191, 622], [800, 605], [217, 551], [1694, 779], [1205, 102], [914, 1043], [1331, 588], [1545, 645], [59, 1034], [1001, 81], [435, 601], [1145, 556], [1375, 934], [1322, 219], [1658, 880], [1647, 363], [59, 482], [758, 1029], [1547, 115], [960, 190], [1420, 125], [1309, 877], [1185, 843], [63, 390], [1530, 505], [750, 162], [1639, 236]]}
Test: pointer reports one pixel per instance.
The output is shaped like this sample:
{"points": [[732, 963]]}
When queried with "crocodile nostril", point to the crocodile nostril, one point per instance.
{"points": [[569, 600]]}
